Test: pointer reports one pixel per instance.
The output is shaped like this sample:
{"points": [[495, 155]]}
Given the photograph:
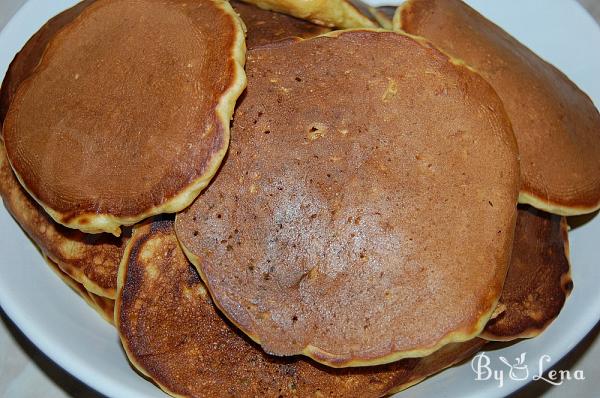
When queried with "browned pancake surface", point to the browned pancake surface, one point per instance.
{"points": [[127, 114], [556, 125], [360, 227], [538, 280], [173, 333], [266, 27]]}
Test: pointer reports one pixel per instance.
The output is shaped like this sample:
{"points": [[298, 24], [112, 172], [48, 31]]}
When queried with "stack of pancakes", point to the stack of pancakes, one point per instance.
{"points": [[264, 205]]}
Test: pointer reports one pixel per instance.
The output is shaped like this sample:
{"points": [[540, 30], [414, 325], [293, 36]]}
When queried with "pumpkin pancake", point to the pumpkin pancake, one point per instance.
{"points": [[103, 306], [556, 124], [266, 27], [140, 92], [538, 280], [307, 244], [161, 303], [92, 260], [341, 14]]}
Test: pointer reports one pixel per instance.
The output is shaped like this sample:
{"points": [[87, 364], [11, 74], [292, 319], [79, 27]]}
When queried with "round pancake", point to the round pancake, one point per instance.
{"points": [[103, 306], [538, 280], [140, 92], [92, 260], [173, 334], [556, 124], [266, 27], [341, 14], [362, 227]]}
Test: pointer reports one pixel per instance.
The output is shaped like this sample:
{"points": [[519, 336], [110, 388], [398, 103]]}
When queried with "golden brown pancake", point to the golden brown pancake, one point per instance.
{"points": [[341, 14], [127, 114], [103, 306], [306, 241], [172, 333], [28, 58], [266, 27], [92, 260], [556, 124], [538, 280]]}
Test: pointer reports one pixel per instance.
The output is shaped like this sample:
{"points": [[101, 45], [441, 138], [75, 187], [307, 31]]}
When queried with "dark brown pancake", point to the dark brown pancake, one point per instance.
{"points": [[127, 114], [104, 307], [556, 124], [538, 280], [266, 27], [92, 260], [341, 14], [306, 241], [173, 334]]}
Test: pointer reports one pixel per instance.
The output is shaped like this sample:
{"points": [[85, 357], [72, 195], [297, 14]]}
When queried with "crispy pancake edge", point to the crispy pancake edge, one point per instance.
{"points": [[96, 223], [103, 306]]}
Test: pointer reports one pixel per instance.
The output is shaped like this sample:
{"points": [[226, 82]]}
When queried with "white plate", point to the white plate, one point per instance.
{"points": [[72, 335]]}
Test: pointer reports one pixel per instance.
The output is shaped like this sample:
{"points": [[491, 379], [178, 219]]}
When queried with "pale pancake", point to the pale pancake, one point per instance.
{"points": [[266, 27], [341, 14], [102, 305], [556, 124], [141, 92], [366, 226], [538, 280], [173, 334], [92, 260]]}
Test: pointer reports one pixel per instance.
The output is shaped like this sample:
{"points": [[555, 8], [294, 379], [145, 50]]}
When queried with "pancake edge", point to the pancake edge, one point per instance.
{"points": [[97, 223], [77, 288], [566, 285], [332, 13]]}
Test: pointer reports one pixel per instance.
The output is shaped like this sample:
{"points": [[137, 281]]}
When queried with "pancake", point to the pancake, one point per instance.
{"points": [[140, 92], [103, 306], [341, 14], [384, 15], [556, 124], [538, 280], [305, 241], [91, 260], [173, 334], [266, 27]]}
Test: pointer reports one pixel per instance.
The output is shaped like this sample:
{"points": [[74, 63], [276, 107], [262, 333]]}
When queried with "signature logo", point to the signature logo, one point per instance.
{"points": [[518, 370]]}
